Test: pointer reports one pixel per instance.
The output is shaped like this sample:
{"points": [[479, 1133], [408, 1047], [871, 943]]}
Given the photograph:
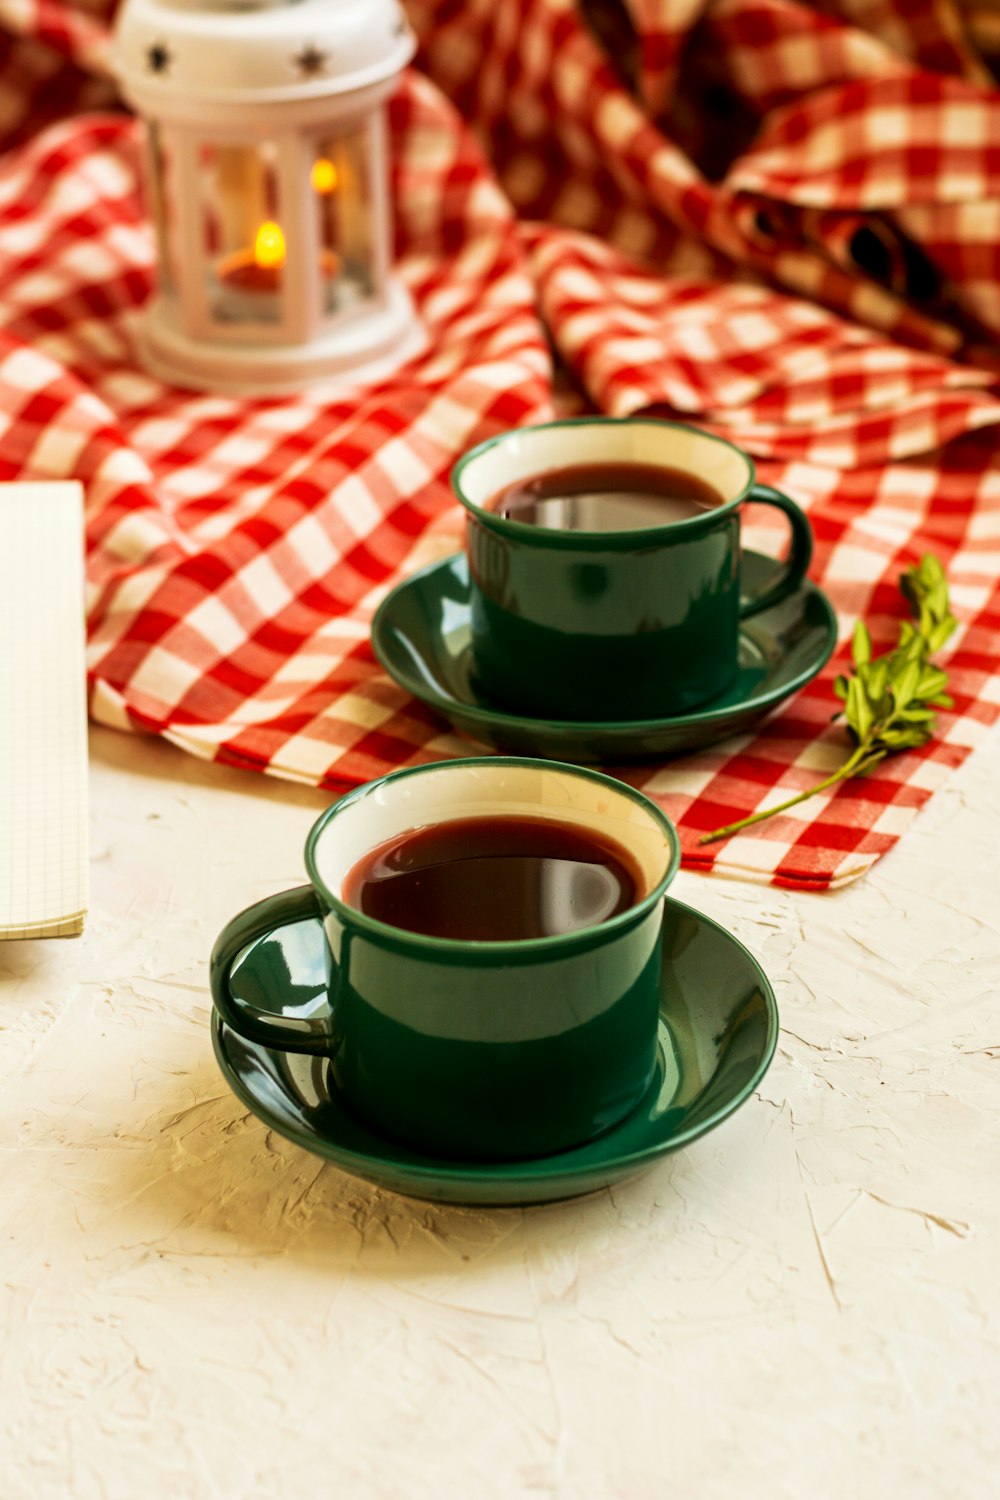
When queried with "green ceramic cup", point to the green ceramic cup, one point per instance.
{"points": [[624, 625], [476, 1050]]}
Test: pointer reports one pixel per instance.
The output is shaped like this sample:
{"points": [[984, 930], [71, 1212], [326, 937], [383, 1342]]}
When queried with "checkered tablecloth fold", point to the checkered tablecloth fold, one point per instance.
{"points": [[777, 220]]}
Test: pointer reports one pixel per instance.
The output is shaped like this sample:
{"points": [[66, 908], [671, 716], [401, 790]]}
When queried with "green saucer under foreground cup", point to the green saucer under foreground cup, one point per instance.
{"points": [[718, 1026], [451, 1044], [571, 620]]}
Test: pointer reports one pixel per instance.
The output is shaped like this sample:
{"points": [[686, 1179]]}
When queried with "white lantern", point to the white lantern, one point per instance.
{"points": [[269, 188]]}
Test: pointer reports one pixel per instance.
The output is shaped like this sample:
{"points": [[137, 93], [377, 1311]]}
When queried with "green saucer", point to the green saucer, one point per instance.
{"points": [[421, 636], [718, 1029]]}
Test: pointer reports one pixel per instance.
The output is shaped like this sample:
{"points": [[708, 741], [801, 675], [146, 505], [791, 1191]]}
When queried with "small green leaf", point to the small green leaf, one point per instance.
{"points": [[905, 685], [916, 648], [861, 648], [932, 680], [859, 713], [876, 682], [904, 739], [940, 633], [916, 715]]}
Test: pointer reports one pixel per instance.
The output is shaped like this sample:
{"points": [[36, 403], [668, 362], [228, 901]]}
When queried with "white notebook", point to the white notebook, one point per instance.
{"points": [[43, 712]]}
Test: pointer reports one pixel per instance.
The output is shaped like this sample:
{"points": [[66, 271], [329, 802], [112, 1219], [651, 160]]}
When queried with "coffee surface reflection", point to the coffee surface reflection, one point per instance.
{"points": [[496, 878], [606, 497]]}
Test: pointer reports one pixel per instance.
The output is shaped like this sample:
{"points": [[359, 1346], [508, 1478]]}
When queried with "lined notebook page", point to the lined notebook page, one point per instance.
{"points": [[43, 712]]}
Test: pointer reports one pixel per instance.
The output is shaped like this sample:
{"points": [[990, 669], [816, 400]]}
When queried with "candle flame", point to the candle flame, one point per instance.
{"points": [[324, 176], [269, 245]]}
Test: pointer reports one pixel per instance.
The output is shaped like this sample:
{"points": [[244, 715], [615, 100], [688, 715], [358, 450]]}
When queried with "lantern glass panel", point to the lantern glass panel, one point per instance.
{"points": [[341, 181], [244, 240]]}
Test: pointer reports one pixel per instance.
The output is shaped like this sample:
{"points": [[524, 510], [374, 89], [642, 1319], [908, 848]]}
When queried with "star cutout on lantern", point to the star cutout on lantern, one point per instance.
{"points": [[158, 58], [311, 62]]}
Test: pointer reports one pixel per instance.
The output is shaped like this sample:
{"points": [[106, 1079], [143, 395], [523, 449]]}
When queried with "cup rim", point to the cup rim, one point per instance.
{"points": [[547, 536], [509, 946]]}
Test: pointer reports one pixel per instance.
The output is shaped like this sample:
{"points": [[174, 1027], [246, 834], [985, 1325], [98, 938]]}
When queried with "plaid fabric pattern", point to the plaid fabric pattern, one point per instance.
{"points": [[778, 220]]}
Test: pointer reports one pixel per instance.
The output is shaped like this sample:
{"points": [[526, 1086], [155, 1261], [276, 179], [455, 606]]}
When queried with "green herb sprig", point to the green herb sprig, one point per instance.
{"points": [[889, 700]]}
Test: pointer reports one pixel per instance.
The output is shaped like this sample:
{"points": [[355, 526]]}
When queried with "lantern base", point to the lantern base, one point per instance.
{"points": [[367, 348]]}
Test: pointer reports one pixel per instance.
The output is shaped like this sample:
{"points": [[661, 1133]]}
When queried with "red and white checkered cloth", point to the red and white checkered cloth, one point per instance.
{"points": [[779, 220]]}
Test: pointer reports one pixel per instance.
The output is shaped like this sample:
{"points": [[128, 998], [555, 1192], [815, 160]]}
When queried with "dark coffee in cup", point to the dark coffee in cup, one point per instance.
{"points": [[606, 497], [495, 879]]}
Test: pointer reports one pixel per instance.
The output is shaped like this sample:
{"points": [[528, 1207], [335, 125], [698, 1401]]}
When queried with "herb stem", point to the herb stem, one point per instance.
{"points": [[889, 700], [840, 774]]}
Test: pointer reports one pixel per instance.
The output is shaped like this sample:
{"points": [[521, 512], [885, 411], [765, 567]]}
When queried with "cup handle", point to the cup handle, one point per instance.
{"points": [[291, 1032], [794, 570]]}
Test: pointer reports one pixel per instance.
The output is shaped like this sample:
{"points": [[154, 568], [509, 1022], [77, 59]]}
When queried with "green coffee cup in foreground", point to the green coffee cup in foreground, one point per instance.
{"points": [[477, 1049], [628, 624]]}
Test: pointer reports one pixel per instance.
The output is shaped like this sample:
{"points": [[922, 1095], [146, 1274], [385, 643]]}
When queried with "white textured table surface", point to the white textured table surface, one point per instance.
{"points": [[804, 1303]]}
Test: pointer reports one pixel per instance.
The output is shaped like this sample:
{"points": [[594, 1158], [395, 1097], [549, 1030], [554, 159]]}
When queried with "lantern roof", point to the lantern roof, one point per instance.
{"points": [[257, 50]]}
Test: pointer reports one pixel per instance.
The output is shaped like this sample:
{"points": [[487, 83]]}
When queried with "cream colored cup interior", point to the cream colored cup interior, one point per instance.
{"points": [[453, 791], [523, 452]]}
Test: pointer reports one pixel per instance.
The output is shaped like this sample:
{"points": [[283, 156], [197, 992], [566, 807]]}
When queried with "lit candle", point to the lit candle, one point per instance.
{"points": [[250, 280], [323, 177], [257, 269]]}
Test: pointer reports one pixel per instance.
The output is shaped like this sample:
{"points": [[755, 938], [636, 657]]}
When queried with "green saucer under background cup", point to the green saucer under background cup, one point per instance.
{"points": [[613, 625], [483, 1050]]}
